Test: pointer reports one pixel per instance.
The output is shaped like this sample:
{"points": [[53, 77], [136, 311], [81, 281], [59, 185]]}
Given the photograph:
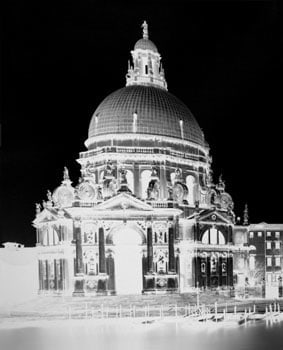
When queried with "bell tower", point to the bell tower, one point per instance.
{"points": [[147, 68]]}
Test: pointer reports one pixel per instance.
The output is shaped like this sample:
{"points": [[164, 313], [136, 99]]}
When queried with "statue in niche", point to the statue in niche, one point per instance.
{"points": [[153, 190], [170, 191], [123, 177], [109, 170], [178, 174], [99, 193], [154, 172], [109, 181]]}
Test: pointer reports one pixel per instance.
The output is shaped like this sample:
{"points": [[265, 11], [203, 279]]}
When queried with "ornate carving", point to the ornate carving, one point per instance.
{"points": [[86, 191]]}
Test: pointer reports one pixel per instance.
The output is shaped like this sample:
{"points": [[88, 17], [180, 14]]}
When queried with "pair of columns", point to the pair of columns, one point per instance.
{"points": [[79, 251], [79, 268], [171, 260]]}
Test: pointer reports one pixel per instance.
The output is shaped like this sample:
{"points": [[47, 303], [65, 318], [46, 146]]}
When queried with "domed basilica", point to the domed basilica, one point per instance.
{"points": [[145, 216]]}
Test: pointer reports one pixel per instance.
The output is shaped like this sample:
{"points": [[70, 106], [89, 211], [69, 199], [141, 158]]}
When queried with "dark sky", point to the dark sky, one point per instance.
{"points": [[222, 58]]}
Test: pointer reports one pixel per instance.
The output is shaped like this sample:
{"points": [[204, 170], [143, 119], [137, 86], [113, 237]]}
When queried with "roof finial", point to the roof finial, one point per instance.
{"points": [[246, 215], [145, 30]]}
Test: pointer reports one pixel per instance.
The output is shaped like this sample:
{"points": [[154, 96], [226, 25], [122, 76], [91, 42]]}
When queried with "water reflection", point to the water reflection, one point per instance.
{"points": [[155, 336]]}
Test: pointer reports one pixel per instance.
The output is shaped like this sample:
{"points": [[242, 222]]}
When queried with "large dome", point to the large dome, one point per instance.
{"points": [[158, 113]]}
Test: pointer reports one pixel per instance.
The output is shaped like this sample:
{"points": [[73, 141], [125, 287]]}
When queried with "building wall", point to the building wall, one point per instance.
{"points": [[18, 275]]}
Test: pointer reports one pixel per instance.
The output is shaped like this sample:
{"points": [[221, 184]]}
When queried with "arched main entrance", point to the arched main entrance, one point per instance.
{"points": [[128, 260]]}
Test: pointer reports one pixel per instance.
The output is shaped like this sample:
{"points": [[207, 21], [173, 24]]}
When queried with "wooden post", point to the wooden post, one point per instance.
{"points": [[216, 311]]}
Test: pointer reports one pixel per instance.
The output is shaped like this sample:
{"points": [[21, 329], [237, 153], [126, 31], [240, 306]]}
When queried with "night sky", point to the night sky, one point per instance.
{"points": [[221, 58]]}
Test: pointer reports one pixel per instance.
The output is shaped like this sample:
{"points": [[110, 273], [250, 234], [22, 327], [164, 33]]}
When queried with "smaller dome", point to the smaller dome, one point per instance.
{"points": [[145, 44]]}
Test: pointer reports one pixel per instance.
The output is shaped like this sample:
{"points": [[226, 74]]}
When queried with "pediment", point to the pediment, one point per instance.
{"points": [[214, 215], [124, 201], [48, 215]]}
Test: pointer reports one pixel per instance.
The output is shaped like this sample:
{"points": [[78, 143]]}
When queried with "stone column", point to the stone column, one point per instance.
{"points": [[163, 182], [171, 254], [56, 275], [102, 281], [149, 249], [136, 180], [208, 271], [47, 274], [79, 278], [230, 270], [101, 248]]}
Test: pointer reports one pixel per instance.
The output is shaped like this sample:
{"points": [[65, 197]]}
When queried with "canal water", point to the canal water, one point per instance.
{"points": [[137, 336]]}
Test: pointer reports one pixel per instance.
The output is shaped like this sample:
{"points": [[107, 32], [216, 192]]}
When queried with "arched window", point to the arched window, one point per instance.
{"points": [[213, 236], [145, 179]]}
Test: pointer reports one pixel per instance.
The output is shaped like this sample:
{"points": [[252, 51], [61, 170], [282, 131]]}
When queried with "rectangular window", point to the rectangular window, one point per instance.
{"points": [[277, 245], [268, 245], [146, 69], [269, 261], [277, 261], [268, 234], [269, 277], [259, 234], [277, 234], [251, 235]]}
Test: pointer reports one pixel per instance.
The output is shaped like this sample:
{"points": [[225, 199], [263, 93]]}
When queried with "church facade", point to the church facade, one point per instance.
{"points": [[145, 215]]}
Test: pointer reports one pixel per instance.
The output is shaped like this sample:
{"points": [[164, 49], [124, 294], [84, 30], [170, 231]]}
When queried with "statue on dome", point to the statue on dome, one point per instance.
{"points": [[209, 178], [145, 30], [66, 174], [49, 196], [221, 184], [37, 208]]}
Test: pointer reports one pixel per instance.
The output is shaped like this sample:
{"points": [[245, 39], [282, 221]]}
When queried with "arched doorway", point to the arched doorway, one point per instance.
{"points": [[128, 260]]}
